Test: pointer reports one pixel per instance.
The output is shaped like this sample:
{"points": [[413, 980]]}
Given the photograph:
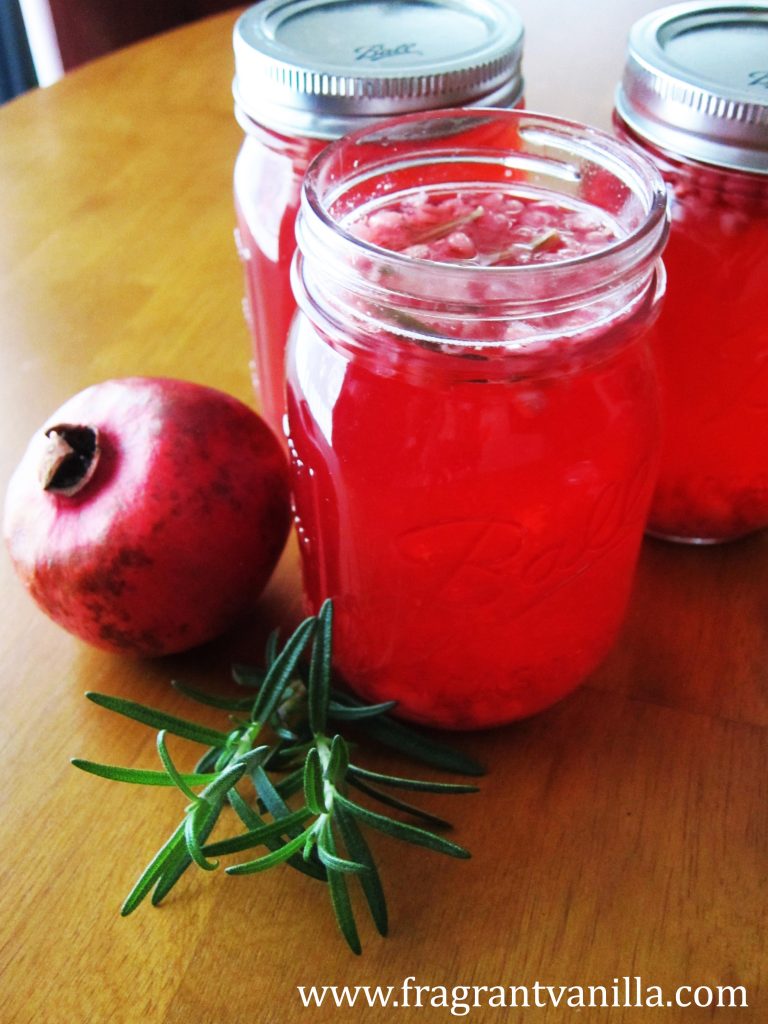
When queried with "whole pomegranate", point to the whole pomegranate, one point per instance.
{"points": [[148, 513]]}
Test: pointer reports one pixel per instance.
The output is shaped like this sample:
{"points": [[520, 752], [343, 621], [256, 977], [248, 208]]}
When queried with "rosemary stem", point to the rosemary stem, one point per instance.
{"points": [[324, 750], [246, 741], [439, 231]]}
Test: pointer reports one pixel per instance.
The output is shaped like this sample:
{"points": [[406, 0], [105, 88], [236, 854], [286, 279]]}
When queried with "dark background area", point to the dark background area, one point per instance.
{"points": [[90, 28], [17, 72]]}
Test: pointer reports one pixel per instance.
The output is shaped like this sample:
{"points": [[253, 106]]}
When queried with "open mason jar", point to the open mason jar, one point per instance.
{"points": [[694, 99], [307, 72], [472, 409]]}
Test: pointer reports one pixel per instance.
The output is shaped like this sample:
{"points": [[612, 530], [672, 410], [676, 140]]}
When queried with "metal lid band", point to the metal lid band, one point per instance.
{"points": [[696, 82], [321, 67]]}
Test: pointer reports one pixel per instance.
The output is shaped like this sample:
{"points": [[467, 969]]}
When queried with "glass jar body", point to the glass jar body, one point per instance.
{"points": [[479, 538], [473, 448], [711, 347], [268, 174]]}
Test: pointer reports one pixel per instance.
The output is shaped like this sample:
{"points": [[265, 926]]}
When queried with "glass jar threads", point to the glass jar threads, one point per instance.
{"points": [[307, 71], [472, 409], [694, 98]]}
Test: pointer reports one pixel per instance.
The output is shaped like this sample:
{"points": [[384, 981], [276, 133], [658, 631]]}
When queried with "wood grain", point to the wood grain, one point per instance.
{"points": [[624, 832]]}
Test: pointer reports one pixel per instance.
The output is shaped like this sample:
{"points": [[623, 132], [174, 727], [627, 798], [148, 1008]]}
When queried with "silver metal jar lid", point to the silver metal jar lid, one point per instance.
{"points": [[696, 82], [320, 68]]}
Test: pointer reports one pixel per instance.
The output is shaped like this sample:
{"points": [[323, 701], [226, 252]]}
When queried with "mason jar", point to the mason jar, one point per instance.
{"points": [[472, 407], [308, 71], [694, 98]]}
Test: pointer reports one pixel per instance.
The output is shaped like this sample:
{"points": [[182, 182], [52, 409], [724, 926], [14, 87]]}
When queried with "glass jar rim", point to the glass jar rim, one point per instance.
{"points": [[358, 293], [638, 246]]}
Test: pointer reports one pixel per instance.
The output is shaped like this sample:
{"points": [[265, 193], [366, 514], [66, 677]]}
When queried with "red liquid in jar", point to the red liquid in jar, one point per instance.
{"points": [[711, 346], [269, 173], [478, 531], [268, 177]]}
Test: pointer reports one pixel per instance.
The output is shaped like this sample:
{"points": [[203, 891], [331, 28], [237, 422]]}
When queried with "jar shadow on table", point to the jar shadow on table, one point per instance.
{"points": [[696, 635]]}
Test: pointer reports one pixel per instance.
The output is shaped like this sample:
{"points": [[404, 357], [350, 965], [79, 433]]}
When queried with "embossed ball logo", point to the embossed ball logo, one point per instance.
{"points": [[378, 51], [482, 561]]}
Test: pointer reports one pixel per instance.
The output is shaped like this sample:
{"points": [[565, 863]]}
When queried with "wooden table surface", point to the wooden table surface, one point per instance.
{"points": [[623, 833]]}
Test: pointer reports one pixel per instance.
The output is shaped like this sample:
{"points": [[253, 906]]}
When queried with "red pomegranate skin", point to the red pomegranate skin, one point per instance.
{"points": [[177, 531]]}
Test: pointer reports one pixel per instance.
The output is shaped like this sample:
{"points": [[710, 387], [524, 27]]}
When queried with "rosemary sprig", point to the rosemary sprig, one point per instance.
{"points": [[437, 231], [548, 239], [295, 702]]}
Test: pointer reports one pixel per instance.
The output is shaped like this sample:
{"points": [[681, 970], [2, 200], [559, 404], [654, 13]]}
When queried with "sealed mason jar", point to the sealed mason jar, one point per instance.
{"points": [[307, 71], [694, 98], [472, 407]]}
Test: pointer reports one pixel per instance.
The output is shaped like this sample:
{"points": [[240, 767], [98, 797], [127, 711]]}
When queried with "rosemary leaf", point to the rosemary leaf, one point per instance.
{"points": [[399, 805], [422, 785], [318, 689], [281, 670], [290, 784], [399, 830], [152, 872], [338, 760], [284, 734], [286, 756], [180, 860], [159, 719], [412, 324], [269, 860], [256, 836], [212, 700], [421, 748], [173, 773], [548, 239], [438, 231], [345, 713], [224, 781], [309, 845], [193, 825], [246, 676], [177, 864], [207, 762], [313, 783], [269, 796], [139, 776], [326, 850], [244, 811], [270, 653], [370, 882], [342, 906]]}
